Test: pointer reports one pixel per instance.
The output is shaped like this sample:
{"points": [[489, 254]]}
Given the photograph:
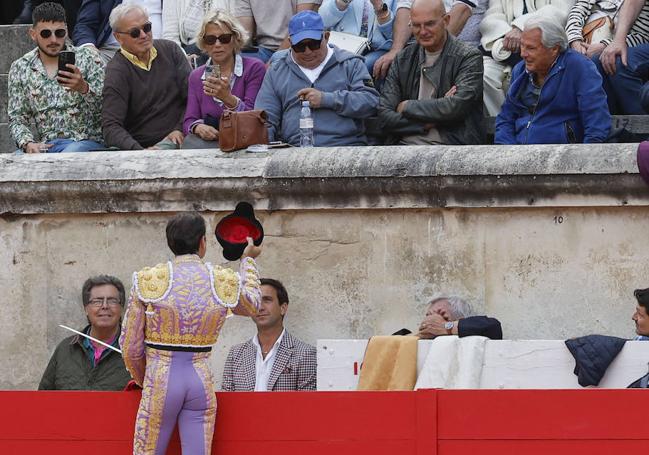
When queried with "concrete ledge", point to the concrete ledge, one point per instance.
{"points": [[341, 178]]}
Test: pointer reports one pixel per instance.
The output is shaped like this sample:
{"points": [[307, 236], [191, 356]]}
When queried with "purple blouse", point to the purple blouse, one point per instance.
{"points": [[248, 76]]}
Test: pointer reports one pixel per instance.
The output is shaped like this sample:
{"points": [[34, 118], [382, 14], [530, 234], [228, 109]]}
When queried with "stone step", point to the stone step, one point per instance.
{"points": [[3, 98], [16, 42], [7, 144]]}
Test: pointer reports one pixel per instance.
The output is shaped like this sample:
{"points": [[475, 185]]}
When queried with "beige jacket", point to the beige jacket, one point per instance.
{"points": [[502, 15]]}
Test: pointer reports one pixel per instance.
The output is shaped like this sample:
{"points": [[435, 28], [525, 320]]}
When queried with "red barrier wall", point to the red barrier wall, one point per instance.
{"points": [[432, 422]]}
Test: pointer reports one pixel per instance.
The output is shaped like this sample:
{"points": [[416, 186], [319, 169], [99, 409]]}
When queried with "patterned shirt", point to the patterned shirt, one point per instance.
{"points": [[57, 112]]}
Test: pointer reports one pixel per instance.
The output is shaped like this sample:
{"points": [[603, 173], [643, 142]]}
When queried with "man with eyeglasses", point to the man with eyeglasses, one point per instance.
{"points": [[334, 82], [145, 90], [62, 107], [433, 92], [79, 363]]}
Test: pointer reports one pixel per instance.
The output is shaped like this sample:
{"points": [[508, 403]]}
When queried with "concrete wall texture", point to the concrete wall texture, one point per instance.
{"points": [[547, 270]]}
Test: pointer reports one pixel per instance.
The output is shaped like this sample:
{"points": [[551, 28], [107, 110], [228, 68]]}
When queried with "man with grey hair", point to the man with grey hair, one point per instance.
{"points": [[556, 95], [145, 89], [453, 316], [79, 363]]}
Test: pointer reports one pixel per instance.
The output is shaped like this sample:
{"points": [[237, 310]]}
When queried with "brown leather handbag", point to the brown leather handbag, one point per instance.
{"points": [[238, 130]]}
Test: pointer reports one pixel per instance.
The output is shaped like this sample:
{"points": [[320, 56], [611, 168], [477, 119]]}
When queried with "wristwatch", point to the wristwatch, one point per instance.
{"points": [[383, 9], [449, 327]]}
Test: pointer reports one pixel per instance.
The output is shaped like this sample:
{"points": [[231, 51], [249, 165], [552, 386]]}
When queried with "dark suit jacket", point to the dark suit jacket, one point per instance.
{"points": [[472, 326], [294, 367], [92, 22]]}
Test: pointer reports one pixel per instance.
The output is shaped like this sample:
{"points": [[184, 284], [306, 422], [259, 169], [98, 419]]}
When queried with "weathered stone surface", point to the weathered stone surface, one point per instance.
{"points": [[7, 144], [15, 43], [362, 177], [3, 102], [349, 273], [552, 243]]}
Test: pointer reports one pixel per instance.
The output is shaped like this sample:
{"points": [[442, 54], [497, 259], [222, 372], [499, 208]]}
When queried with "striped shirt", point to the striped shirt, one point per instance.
{"points": [[581, 11]]}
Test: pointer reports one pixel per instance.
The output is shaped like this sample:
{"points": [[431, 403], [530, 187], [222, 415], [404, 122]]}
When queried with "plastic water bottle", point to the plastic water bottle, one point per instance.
{"points": [[306, 126]]}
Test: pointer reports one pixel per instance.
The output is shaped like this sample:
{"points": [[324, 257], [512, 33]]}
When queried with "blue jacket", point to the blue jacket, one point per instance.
{"points": [[92, 22], [348, 98], [350, 20], [572, 107]]}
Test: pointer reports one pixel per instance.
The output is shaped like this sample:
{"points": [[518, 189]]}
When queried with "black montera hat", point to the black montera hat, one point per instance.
{"points": [[233, 229]]}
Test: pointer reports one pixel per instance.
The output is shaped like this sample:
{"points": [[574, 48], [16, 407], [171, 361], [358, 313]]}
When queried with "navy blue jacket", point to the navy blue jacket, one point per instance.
{"points": [[92, 22], [572, 106], [593, 354]]}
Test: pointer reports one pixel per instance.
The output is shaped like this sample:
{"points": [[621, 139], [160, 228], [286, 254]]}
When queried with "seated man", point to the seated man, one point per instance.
{"points": [[452, 316], [641, 315], [267, 21], [433, 92], [145, 90], [63, 106], [556, 95], [82, 364], [334, 82], [273, 360], [624, 62], [501, 30]]}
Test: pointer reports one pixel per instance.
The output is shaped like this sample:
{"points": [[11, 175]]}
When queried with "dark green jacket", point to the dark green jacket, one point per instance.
{"points": [[70, 368], [458, 118]]}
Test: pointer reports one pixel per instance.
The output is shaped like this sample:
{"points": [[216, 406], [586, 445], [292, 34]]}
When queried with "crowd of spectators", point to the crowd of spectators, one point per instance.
{"points": [[430, 71]]}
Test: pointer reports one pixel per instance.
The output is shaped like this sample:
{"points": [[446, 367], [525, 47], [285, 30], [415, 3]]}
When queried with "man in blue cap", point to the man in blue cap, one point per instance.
{"points": [[336, 84]]}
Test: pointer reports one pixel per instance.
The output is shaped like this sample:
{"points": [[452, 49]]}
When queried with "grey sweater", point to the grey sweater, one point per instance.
{"points": [[142, 107]]}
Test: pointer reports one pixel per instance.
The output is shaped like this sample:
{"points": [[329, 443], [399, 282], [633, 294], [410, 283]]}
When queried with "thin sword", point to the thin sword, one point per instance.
{"points": [[91, 338]]}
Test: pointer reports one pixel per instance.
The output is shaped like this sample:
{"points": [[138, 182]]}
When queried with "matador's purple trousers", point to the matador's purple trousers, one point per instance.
{"points": [[177, 388]]}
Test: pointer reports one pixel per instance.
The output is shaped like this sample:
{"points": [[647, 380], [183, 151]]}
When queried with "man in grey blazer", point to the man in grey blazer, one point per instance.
{"points": [[273, 360]]}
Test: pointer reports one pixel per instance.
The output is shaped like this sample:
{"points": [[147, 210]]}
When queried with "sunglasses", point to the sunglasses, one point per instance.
{"points": [[212, 39], [312, 44], [59, 33], [135, 31]]}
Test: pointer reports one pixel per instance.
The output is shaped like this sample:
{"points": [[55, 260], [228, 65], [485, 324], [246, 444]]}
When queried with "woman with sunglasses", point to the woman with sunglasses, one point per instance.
{"points": [[232, 85]]}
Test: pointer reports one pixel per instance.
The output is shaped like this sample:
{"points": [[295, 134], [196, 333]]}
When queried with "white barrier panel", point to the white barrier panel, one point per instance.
{"points": [[508, 364]]}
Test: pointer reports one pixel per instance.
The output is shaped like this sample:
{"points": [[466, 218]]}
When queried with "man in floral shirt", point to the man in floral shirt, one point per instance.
{"points": [[63, 106]]}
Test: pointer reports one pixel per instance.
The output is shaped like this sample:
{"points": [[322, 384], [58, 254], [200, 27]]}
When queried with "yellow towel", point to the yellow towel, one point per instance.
{"points": [[390, 363]]}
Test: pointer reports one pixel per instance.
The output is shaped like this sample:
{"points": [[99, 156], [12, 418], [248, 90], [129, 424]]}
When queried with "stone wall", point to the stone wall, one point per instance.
{"points": [[549, 239], [15, 42]]}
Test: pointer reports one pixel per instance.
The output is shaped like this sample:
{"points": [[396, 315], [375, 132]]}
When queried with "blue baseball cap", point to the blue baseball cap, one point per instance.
{"points": [[305, 25]]}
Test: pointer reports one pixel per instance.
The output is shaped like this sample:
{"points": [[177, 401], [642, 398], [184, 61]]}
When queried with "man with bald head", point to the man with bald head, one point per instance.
{"points": [[433, 91]]}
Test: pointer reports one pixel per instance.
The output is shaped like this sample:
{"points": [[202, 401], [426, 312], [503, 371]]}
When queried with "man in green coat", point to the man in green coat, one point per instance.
{"points": [[82, 364]]}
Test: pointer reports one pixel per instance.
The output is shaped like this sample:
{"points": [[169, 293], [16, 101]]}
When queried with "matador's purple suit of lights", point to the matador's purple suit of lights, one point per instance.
{"points": [[174, 316]]}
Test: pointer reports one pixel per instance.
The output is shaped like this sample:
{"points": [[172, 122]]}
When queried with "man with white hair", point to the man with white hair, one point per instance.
{"points": [[452, 316], [556, 95], [145, 89]]}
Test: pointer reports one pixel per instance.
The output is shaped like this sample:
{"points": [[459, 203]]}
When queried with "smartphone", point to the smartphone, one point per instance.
{"points": [[66, 57], [213, 70]]}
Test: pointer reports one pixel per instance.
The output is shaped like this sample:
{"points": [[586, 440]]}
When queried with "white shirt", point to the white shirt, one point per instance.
{"points": [[263, 367], [313, 74]]}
